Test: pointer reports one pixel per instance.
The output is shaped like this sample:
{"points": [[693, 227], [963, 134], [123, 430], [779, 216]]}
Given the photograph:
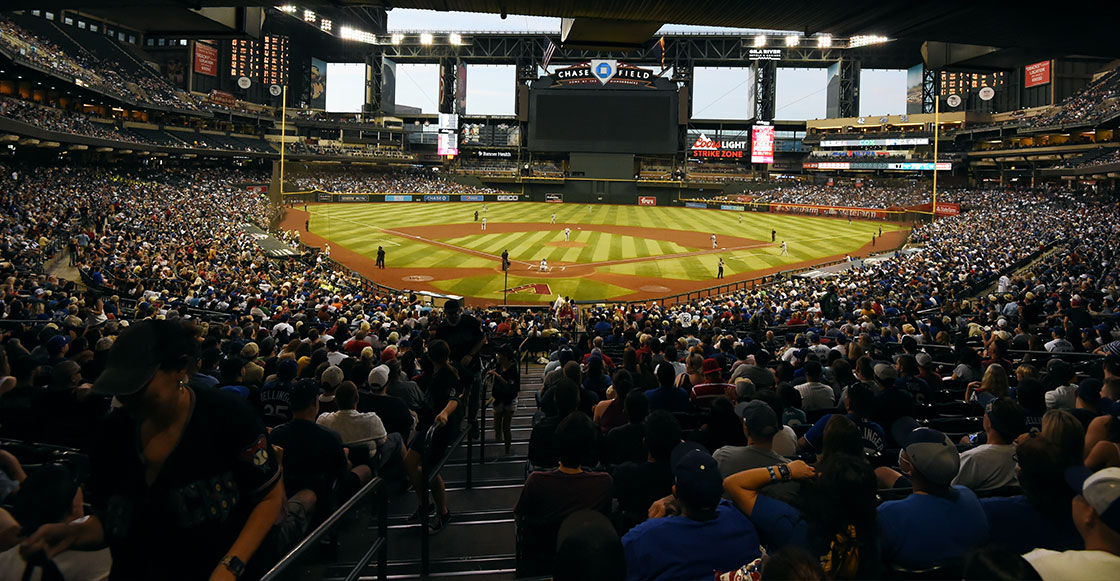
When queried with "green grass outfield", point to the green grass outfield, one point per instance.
{"points": [[362, 227]]}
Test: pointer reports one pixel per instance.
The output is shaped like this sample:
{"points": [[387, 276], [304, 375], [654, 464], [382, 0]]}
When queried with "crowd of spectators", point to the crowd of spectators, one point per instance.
{"points": [[106, 76], [1096, 102], [191, 331], [52, 119], [411, 181], [863, 196]]}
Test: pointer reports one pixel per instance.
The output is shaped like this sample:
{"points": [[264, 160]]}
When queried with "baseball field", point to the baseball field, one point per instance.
{"points": [[611, 252]]}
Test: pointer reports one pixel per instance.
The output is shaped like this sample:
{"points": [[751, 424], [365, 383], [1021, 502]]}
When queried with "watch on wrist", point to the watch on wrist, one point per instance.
{"points": [[234, 564]]}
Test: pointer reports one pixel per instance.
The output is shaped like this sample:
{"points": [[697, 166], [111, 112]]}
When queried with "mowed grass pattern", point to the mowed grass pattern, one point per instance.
{"points": [[363, 227], [600, 246]]}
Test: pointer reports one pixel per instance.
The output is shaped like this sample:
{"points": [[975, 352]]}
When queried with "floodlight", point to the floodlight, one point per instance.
{"points": [[760, 41], [792, 40], [425, 38]]}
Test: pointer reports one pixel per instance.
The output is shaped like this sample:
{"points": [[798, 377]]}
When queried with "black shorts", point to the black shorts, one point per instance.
{"points": [[440, 441]]}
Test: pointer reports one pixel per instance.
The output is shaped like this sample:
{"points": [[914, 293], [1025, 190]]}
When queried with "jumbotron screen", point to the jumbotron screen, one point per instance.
{"points": [[762, 144], [603, 121]]}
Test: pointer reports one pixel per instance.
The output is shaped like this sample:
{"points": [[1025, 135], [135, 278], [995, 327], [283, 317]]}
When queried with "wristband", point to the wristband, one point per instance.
{"points": [[773, 475], [784, 471]]}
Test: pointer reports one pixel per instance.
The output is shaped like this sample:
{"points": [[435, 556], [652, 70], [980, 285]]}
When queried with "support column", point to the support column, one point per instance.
{"points": [[848, 88], [765, 89]]}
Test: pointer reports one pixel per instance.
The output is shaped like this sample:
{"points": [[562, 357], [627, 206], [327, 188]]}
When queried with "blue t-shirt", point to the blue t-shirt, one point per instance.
{"points": [[1020, 527], [923, 530], [874, 438], [779, 524], [679, 548]]}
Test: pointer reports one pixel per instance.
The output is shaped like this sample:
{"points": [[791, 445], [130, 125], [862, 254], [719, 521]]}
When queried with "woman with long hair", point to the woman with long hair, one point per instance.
{"points": [[836, 519], [993, 386]]}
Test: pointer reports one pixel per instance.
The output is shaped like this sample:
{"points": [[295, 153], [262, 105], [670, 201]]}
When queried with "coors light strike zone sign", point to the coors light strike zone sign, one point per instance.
{"points": [[704, 147]]}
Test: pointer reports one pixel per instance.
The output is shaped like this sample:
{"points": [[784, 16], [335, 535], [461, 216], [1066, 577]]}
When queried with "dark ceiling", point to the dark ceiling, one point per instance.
{"points": [[1057, 30]]}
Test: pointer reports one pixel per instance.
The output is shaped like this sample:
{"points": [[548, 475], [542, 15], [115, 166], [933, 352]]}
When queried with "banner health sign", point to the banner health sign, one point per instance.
{"points": [[437, 198], [700, 205], [398, 198], [733, 208], [470, 198]]}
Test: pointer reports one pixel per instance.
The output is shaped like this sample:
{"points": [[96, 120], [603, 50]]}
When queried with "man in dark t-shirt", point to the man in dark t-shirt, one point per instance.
{"points": [[392, 411], [465, 339], [313, 457], [637, 485]]}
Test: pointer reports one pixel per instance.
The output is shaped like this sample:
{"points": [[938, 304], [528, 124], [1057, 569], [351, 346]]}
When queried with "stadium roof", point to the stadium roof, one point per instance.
{"points": [[1059, 30]]}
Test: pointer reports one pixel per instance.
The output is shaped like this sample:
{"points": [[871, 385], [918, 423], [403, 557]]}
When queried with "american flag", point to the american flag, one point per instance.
{"points": [[548, 52]]}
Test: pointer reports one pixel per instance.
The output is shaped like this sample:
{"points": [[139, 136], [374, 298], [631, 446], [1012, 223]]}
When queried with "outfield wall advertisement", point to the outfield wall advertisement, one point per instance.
{"points": [[557, 198], [647, 201], [829, 211]]}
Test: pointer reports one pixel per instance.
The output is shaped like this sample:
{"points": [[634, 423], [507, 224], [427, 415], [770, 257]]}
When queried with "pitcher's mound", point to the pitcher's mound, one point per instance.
{"points": [[566, 244]]}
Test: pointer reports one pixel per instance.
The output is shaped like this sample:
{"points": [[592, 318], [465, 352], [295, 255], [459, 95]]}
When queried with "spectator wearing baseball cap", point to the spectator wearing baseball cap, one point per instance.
{"points": [[1063, 392], [760, 424], [392, 411], [709, 533], [713, 386], [939, 523], [1096, 514], [992, 465], [927, 371], [217, 437]]}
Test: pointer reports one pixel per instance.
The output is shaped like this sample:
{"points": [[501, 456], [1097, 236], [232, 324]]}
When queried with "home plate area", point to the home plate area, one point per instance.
{"points": [[532, 289]]}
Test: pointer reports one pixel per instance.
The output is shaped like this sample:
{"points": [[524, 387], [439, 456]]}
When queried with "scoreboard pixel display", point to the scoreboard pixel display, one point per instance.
{"points": [[603, 121]]}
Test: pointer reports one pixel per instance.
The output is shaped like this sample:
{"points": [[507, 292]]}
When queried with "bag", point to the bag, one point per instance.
{"points": [[842, 559]]}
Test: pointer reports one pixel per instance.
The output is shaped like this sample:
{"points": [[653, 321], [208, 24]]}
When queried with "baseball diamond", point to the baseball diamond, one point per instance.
{"points": [[615, 252]]}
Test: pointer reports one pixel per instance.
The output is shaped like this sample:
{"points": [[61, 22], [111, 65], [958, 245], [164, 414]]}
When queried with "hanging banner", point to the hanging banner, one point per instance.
{"points": [[1036, 74], [205, 59]]}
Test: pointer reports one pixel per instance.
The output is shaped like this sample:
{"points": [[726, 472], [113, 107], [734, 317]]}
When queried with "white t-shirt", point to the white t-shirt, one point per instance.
{"points": [[815, 396], [74, 565], [355, 427], [1062, 398], [987, 467], [1080, 565], [785, 442]]}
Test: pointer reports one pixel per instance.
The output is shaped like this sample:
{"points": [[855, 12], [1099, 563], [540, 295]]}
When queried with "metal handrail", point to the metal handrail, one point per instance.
{"points": [[378, 547], [430, 473]]}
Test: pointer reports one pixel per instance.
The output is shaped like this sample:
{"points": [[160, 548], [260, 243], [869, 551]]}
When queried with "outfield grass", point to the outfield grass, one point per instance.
{"points": [[363, 227]]}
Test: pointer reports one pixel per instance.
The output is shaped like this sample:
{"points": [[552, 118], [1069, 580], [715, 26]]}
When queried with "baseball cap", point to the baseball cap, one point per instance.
{"points": [[56, 343], [933, 454], [760, 419], [389, 353], [451, 306], [699, 484], [886, 371], [1100, 489], [378, 377], [924, 360], [712, 366], [332, 376], [135, 357]]}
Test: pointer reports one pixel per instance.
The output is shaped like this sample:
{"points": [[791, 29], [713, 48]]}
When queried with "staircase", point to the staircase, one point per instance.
{"points": [[479, 542]]}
